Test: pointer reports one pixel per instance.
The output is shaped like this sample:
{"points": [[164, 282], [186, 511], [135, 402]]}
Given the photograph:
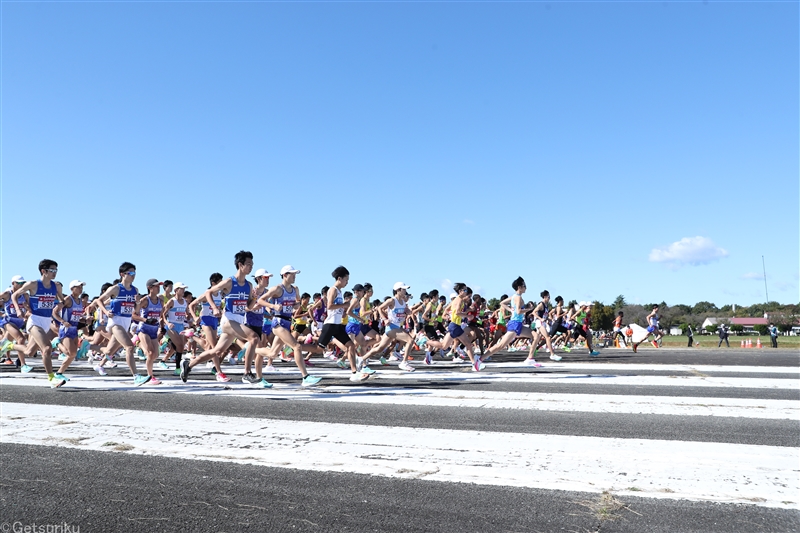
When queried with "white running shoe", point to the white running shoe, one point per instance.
{"points": [[359, 376], [555, 357], [270, 369], [405, 366], [100, 370]]}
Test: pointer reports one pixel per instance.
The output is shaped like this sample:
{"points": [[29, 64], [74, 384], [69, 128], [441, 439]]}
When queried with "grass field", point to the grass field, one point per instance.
{"points": [[711, 341]]}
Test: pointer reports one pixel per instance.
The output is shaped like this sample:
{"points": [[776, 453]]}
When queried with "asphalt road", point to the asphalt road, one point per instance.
{"points": [[107, 491]]}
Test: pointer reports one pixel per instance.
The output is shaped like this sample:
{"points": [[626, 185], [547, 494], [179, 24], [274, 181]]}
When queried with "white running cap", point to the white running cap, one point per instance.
{"points": [[17, 279], [76, 283], [400, 285], [261, 272], [289, 269], [180, 285]]}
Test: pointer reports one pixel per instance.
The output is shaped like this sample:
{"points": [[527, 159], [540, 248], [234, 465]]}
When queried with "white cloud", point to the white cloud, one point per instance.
{"points": [[446, 285], [688, 251], [753, 275]]}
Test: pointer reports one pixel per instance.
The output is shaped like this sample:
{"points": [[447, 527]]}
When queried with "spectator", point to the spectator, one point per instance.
{"points": [[773, 335], [723, 336], [690, 333]]}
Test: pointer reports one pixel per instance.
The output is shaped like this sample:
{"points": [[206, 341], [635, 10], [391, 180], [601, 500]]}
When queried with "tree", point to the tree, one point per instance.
{"points": [[602, 317], [619, 303], [762, 329], [711, 328], [703, 307], [737, 328], [493, 303]]}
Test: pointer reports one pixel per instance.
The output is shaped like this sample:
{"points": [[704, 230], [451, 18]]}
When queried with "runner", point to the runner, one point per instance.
{"points": [[618, 329], [208, 322], [14, 324], [333, 329], [122, 297], [254, 320], [582, 317], [69, 314], [148, 314], [173, 317], [652, 329], [282, 299], [238, 294], [395, 310], [515, 327], [541, 315]]}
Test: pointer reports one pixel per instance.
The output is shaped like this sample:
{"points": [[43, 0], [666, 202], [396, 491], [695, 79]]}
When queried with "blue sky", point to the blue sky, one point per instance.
{"points": [[596, 149]]}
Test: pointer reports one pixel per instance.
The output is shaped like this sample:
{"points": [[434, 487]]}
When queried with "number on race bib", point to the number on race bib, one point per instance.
{"points": [[239, 306]]}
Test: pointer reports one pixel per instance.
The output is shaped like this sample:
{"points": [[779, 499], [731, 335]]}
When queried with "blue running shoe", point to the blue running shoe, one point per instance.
{"points": [[26, 368], [140, 380], [310, 381]]}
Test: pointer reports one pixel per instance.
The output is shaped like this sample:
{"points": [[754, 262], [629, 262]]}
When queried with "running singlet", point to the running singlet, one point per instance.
{"points": [[654, 320], [72, 314], [356, 311], [335, 315], [397, 315], [236, 301], [152, 312], [206, 309], [455, 318], [44, 301], [319, 312], [124, 303], [516, 312], [287, 301], [256, 318], [9, 307], [177, 314], [303, 319]]}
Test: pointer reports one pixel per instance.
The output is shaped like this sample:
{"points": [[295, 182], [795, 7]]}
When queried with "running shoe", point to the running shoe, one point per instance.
{"points": [[162, 365], [8, 362], [264, 384], [329, 355], [428, 359], [250, 378], [209, 364], [309, 363], [310, 381], [566, 348], [395, 357], [140, 380], [384, 362], [359, 376], [176, 372], [461, 353], [55, 382], [594, 354], [270, 368], [26, 368], [532, 362], [59, 375], [512, 348], [655, 344], [100, 370], [405, 366], [110, 364], [341, 364], [554, 357], [155, 381], [359, 363], [634, 346], [221, 377], [457, 360], [477, 365], [367, 370], [185, 370], [62, 357]]}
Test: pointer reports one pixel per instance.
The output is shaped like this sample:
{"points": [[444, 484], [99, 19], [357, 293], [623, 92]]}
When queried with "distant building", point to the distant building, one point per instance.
{"points": [[710, 322], [750, 323]]}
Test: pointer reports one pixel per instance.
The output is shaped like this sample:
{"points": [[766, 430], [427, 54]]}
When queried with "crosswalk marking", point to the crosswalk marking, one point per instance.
{"points": [[723, 472]]}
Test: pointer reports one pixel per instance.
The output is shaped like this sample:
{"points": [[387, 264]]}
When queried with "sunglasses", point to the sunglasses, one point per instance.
{"points": [[53, 270], [131, 273]]}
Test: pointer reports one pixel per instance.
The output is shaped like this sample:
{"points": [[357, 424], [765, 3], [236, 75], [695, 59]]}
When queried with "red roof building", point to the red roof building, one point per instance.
{"points": [[749, 321]]}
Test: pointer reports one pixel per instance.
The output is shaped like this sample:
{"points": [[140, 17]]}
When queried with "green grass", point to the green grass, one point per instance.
{"points": [[711, 341]]}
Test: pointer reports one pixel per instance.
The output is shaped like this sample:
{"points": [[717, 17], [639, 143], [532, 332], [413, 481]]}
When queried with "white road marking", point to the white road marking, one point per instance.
{"points": [[761, 475]]}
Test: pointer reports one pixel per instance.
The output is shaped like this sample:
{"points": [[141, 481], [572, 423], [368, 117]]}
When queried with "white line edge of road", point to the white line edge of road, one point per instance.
{"points": [[698, 471]]}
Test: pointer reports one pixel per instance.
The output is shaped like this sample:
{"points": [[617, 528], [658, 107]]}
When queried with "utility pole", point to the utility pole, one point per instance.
{"points": [[764, 265]]}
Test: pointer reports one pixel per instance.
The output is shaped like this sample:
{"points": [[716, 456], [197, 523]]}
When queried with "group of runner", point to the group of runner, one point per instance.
{"points": [[255, 323]]}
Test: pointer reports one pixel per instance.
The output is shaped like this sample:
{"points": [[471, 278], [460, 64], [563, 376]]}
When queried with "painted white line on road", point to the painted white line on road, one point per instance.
{"points": [[449, 398], [550, 374], [761, 475]]}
